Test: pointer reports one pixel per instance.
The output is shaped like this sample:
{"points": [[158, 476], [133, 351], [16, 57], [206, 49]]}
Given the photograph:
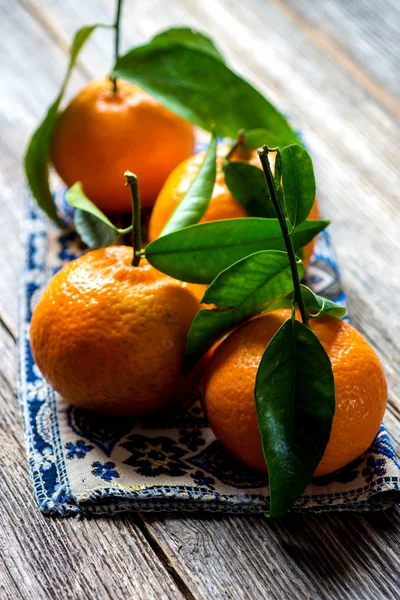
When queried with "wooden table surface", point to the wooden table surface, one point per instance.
{"points": [[334, 66]]}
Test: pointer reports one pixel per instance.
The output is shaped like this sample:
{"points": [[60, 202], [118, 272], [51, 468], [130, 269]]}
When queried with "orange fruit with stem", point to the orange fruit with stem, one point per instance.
{"points": [[102, 131], [109, 333], [361, 390], [222, 205]]}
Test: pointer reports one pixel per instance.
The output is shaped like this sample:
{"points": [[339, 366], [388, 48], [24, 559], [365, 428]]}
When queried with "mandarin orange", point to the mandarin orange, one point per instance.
{"points": [[361, 391], [222, 205], [101, 132], [110, 337]]}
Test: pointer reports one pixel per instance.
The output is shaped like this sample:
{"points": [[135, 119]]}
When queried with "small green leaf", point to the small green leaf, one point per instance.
{"points": [[295, 399], [191, 39], [93, 231], [248, 186], [282, 303], [94, 228], [319, 305], [37, 154], [76, 197], [200, 88], [255, 138], [278, 170], [298, 182], [267, 271], [247, 288], [198, 253], [197, 199]]}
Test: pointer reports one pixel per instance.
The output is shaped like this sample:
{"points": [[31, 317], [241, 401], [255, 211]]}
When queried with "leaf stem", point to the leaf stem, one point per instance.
{"points": [[298, 296], [240, 141], [116, 42], [132, 182]]}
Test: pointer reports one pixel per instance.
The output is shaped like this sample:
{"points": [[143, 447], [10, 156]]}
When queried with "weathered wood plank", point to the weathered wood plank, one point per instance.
{"points": [[368, 34], [31, 81], [319, 557]]}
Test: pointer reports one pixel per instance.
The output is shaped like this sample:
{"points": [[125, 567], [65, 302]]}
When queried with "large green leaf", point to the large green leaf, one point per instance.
{"points": [[298, 182], [37, 154], [197, 199], [199, 87], [248, 186], [246, 289], [198, 253], [255, 138], [191, 39], [319, 305], [295, 399]]}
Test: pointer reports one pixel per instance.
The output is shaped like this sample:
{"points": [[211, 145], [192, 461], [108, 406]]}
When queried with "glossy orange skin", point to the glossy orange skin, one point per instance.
{"points": [[361, 390], [222, 205], [110, 337], [101, 134]]}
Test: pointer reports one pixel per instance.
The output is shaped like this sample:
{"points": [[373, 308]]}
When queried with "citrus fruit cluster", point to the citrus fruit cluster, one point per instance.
{"points": [[288, 388]]}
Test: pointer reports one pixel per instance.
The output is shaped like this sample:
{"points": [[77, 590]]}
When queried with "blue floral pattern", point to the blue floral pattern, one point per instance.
{"points": [[77, 450], [105, 432], [202, 480], [191, 438], [82, 464], [155, 456], [226, 468], [374, 466], [107, 472]]}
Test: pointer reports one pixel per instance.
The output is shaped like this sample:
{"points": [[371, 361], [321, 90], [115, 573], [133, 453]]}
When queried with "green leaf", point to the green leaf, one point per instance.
{"points": [[320, 305], [267, 271], [200, 88], [278, 170], [277, 180], [247, 288], [37, 154], [94, 228], [298, 182], [197, 199], [76, 197], [191, 39], [248, 186], [93, 231], [295, 399], [198, 253], [255, 138]]}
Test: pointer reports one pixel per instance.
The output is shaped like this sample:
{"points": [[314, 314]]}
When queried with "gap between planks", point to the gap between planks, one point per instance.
{"points": [[163, 557]]}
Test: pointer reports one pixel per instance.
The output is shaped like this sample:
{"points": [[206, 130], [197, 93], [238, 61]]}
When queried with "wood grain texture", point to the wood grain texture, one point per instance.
{"points": [[353, 136], [339, 556], [366, 30]]}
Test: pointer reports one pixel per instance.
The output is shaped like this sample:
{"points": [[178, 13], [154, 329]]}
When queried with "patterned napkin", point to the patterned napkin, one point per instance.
{"points": [[84, 464]]}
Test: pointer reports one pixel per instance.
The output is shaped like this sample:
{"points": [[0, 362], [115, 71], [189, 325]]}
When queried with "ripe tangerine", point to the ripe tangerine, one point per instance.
{"points": [[102, 132], [361, 390], [110, 337]]}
